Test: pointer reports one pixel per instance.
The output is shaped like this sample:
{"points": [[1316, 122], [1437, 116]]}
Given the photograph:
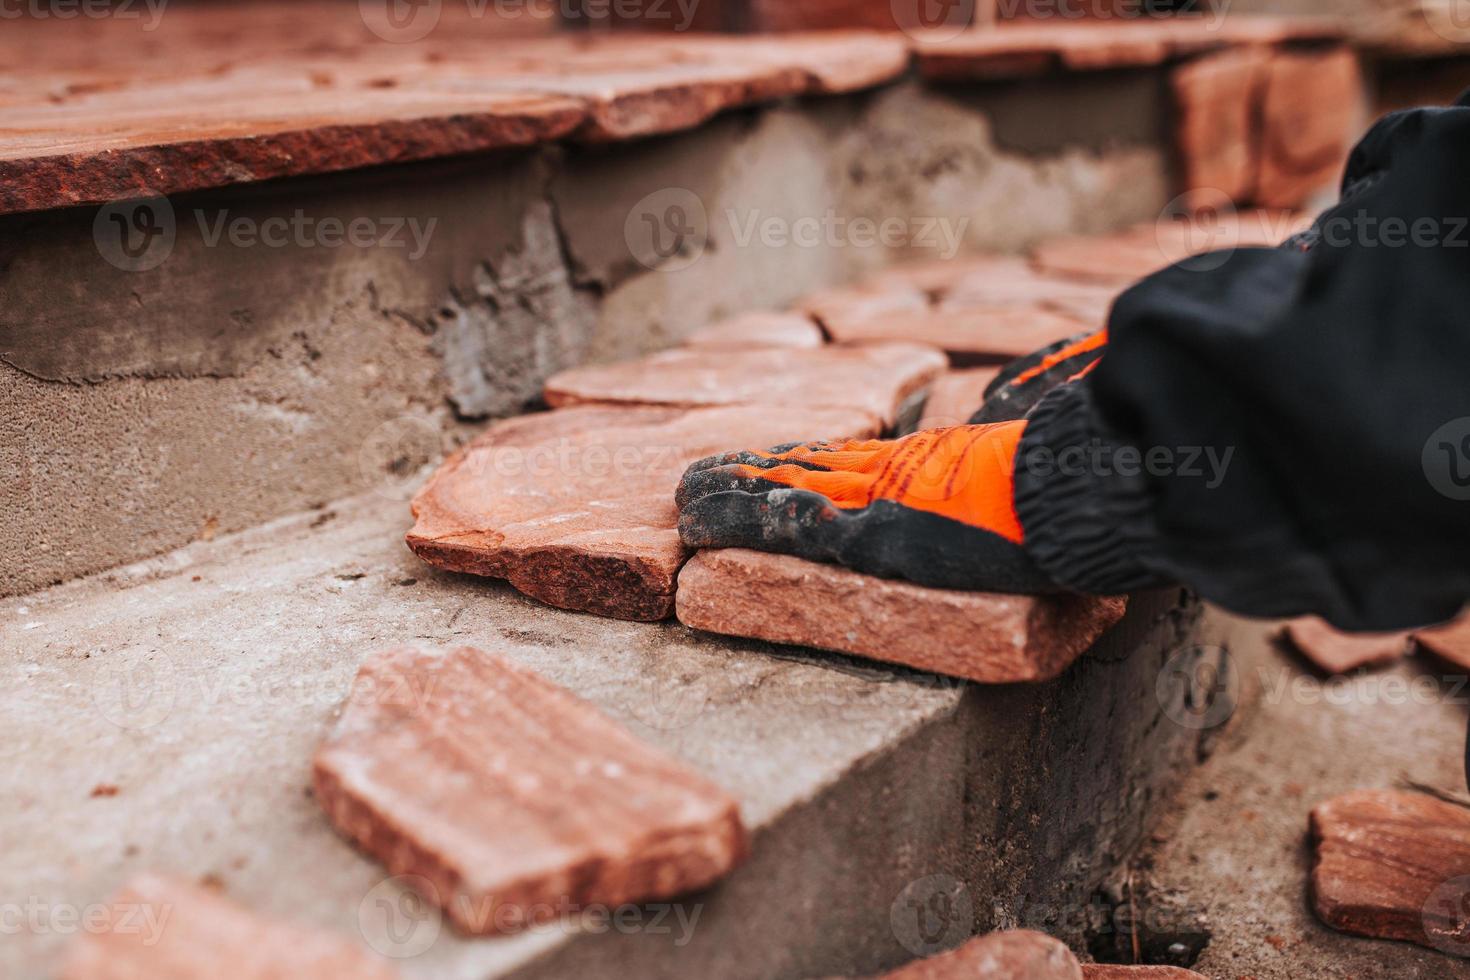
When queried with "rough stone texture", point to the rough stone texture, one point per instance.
{"points": [[158, 928], [976, 335], [199, 685], [875, 300], [1337, 652], [876, 379], [1019, 954], [576, 507], [758, 329], [979, 636], [506, 794], [1113, 971], [1007, 282], [1217, 100], [1393, 865], [956, 396], [1309, 113], [1450, 643]]}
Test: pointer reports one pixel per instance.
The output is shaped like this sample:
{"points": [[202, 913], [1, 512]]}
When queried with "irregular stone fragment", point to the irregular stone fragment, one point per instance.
{"points": [[1115, 971], [874, 378], [1310, 112], [979, 636], [509, 800], [1009, 281], [1395, 865], [1019, 954], [956, 396], [968, 336], [1216, 98], [1450, 643], [1337, 652], [159, 928], [758, 329], [576, 507], [882, 297]]}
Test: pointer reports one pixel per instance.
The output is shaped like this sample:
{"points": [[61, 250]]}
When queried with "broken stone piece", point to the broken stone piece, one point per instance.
{"points": [[881, 297], [1337, 652], [1019, 954], [1217, 98], [967, 335], [1394, 865], [1450, 643], [163, 929], [1309, 113], [507, 800], [956, 396], [979, 636], [1117, 971], [1001, 282], [874, 378], [576, 507], [759, 329]]}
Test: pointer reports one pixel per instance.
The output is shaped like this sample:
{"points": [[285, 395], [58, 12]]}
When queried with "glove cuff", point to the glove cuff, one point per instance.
{"points": [[1085, 526]]}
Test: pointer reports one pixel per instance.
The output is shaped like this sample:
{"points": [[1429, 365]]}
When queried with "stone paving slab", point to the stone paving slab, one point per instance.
{"points": [[1450, 643], [760, 329], [1336, 652], [1019, 953], [957, 395], [576, 507]]}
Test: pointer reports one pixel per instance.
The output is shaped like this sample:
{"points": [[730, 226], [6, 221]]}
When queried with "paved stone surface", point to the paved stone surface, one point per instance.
{"points": [[1309, 113], [1020, 954], [986, 637], [1007, 282], [956, 396], [759, 329], [882, 296], [1450, 643], [875, 378], [576, 507], [975, 335], [1217, 104], [1337, 652], [510, 798], [1394, 865], [157, 928]]}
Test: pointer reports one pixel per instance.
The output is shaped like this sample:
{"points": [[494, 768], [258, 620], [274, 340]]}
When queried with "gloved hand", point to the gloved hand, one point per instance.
{"points": [[934, 507], [1026, 380]]}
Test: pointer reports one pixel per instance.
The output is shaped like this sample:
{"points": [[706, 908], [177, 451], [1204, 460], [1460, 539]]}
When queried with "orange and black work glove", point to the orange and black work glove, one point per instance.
{"points": [[934, 507], [1025, 381]]}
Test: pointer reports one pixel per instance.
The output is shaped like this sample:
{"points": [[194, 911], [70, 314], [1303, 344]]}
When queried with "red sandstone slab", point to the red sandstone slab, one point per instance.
{"points": [[979, 636], [1309, 114], [576, 507], [1393, 865], [1000, 282], [759, 329], [1337, 652], [1114, 971], [1019, 954], [505, 794], [1450, 643], [1217, 103], [968, 336], [159, 928], [1020, 48], [876, 379], [957, 395], [883, 296]]}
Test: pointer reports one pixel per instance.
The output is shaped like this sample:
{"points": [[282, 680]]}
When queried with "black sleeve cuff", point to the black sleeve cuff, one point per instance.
{"points": [[1087, 527]]}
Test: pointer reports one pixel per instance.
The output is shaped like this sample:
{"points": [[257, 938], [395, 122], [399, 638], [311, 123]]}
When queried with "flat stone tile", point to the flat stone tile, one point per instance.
{"points": [[1451, 643], [759, 329], [160, 928], [967, 335], [1395, 865], [1309, 114], [882, 296], [1216, 100], [1114, 971], [1003, 282], [876, 379], [1019, 954], [957, 395], [576, 507], [979, 636], [508, 799], [1337, 652]]}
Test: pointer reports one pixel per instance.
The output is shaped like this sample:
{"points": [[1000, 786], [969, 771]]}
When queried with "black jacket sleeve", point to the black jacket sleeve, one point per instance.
{"points": [[1287, 431]]}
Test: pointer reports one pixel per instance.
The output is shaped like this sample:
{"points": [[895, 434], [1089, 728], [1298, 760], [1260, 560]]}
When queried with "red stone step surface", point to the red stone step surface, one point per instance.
{"points": [[985, 637], [759, 329], [1451, 643], [1337, 652], [576, 507], [1019, 954], [160, 928], [1395, 865], [956, 396], [506, 800]]}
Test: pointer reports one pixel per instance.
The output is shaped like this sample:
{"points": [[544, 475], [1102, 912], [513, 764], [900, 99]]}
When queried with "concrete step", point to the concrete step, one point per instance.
{"points": [[165, 715]]}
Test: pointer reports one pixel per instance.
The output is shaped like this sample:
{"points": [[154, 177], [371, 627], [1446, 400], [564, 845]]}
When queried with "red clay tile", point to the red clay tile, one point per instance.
{"points": [[956, 396], [999, 282], [1450, 643], [1016, 955], [1217, 101], [510, 797], [576, 507], [759, 329], [968, 336], [876, 379], [1337, 652], [994, 639], [883, 296], [1310, 111], [160, 928], [1394, 865], [1113, 971]]}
